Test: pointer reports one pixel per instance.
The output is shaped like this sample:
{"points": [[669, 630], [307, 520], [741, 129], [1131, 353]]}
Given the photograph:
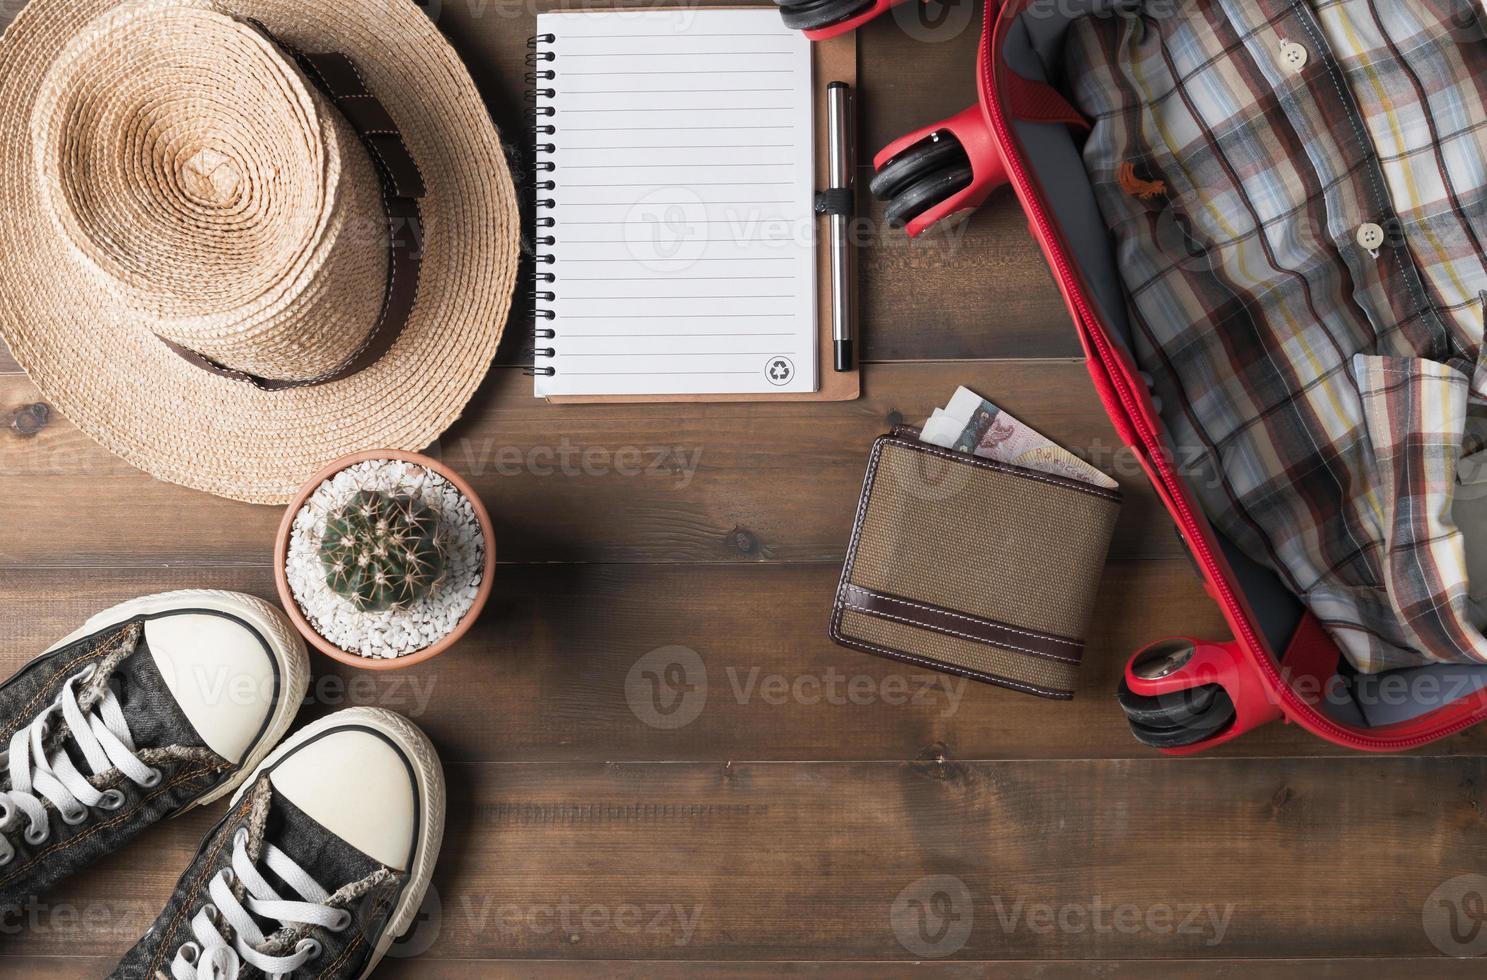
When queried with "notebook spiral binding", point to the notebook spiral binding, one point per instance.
{"points": [[540, 72]]}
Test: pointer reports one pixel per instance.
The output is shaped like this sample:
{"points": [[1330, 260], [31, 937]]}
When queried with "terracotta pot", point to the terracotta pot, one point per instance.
{"points": [[281, 555]]}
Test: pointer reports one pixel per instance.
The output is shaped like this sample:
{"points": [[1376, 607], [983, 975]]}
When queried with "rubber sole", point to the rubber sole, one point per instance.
{"points": [[428, 773], [285, 645]]}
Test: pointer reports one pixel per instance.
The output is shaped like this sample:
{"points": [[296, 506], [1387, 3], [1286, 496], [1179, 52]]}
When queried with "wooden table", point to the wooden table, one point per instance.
{"points": [[800, 804]]}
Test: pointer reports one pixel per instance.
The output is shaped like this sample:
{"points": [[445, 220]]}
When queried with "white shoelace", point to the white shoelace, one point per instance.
{"points": [[101, 733], [212, 957]]}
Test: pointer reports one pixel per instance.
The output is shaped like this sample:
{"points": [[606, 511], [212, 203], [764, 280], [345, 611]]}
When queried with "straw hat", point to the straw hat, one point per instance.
{"points": [[223, 259]]}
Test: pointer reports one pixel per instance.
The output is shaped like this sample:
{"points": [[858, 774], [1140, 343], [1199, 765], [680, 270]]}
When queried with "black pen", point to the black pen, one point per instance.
{"points": [[839, 210]]}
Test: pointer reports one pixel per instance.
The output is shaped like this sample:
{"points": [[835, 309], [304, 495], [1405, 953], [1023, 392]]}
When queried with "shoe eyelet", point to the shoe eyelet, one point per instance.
{"points": [[310, 947], [36, 836], [112, 800], [153, 779], [74, 819], [345, 922], [7, 858]]}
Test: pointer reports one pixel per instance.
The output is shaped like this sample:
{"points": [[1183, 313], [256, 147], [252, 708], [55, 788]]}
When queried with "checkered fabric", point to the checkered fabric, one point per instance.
{"points": [[1298, 197]]}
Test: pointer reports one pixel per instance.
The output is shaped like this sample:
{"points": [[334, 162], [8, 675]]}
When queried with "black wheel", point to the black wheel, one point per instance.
{"points": [[1203, 726], [1166, 710], [925, 193], [923, 157], [808, 15]]}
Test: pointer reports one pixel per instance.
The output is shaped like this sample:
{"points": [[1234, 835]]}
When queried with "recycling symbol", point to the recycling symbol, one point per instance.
{"points": [[779, 371]]}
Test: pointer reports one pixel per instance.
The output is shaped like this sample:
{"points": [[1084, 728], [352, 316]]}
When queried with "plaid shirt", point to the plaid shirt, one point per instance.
{"points": [[1298, 196]]}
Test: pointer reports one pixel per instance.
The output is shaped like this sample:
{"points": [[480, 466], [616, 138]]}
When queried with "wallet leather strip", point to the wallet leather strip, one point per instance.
{"points": [[989, 631], [969, 658]]}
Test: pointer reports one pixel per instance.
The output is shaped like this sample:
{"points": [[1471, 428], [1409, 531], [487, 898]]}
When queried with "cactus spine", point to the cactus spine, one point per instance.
{"points": [[382, 552]]}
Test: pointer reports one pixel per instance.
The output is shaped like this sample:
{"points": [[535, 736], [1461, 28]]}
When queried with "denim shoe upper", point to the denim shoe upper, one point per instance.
{"points": [[138, 758], [270, 893]]}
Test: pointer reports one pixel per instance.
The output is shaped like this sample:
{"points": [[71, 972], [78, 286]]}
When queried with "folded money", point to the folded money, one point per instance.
{"points": [[971, 424]]}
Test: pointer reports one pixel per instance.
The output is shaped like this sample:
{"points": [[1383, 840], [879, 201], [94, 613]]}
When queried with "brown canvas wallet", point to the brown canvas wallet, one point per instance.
{"points": [[973, 567]]}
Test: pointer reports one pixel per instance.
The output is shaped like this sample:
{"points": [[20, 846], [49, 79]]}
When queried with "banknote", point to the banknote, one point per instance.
{"points": [[971, 424]]}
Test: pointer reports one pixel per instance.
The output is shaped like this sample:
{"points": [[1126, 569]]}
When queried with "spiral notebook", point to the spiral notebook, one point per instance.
{"points": [[676, 235]]}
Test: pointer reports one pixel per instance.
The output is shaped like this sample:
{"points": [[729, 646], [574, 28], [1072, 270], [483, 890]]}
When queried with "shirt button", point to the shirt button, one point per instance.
{"points": [[1371, 236], [1293, 55]]}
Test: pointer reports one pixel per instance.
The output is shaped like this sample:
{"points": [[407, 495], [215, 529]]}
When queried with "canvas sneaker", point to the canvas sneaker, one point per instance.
{"points": [[152, 707], [319, 866]]}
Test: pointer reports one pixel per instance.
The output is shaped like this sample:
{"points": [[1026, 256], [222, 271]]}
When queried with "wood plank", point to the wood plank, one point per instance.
{"points": [[427, 967], [556, 671], [979, 288], [779, 824], [1018, 860], [708, 483]]}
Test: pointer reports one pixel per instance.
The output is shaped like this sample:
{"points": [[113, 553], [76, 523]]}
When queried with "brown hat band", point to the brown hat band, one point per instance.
{"points": [[402, 184]]}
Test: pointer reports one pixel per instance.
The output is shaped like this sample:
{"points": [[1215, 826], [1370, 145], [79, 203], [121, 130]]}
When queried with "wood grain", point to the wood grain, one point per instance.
{"points": [[702, 483], [427, 968], [1211, 858], [777, 827], [564, 667]]}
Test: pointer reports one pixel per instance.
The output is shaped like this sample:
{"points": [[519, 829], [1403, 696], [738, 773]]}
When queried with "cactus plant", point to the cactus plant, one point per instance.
{"points": [[381, 551]]}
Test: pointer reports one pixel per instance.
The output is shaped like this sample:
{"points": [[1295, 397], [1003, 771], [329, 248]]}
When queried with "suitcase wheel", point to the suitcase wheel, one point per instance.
{"points": [[921, 177], [810, 15], [1181, 718]]}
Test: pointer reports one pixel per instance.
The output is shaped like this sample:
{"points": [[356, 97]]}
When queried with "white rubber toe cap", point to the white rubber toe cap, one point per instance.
{"points": [[353, 783], [221, 675]]}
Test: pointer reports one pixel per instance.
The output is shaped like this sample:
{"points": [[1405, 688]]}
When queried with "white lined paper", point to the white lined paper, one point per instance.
{"points": [[683, 227]]}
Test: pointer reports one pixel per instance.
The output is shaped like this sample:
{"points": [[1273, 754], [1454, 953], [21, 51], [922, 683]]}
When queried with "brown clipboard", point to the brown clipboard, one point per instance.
{"points": [[833, 60]]}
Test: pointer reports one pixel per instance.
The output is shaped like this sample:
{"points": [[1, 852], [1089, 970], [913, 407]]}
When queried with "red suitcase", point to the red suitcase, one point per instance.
{"points": [[1280, 663]]}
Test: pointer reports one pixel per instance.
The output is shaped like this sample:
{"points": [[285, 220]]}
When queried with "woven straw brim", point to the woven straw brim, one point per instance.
{"points": [[136, 397]]}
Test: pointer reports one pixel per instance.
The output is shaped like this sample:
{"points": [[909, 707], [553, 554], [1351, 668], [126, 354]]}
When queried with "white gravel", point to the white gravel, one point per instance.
{"points": [[387, 634]]}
